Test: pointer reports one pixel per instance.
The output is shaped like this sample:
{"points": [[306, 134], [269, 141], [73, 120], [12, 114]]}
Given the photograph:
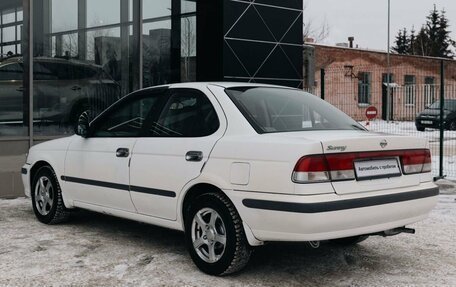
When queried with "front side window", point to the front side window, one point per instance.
{"points": [[128, 118], [188, 113], [271, 110]]}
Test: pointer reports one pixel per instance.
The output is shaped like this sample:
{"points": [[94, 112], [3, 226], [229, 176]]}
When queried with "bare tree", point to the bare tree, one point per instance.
{"points": [[318, 32], [188, 45], [69, 43]]}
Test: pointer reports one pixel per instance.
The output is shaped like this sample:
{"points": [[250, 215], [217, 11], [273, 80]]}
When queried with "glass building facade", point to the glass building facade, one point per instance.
{"points": [[60, 58]]}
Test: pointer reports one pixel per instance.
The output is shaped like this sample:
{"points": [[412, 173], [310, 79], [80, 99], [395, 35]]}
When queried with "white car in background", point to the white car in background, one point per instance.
{"points": [[234, 165]]}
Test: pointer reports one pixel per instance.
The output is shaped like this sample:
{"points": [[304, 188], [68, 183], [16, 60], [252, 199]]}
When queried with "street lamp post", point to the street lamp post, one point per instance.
{"points": [[388, 72]]}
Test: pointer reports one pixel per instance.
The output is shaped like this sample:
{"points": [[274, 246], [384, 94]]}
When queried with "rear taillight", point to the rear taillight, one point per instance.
{"points": [[340, 166], [416, 161], [312, 168]]}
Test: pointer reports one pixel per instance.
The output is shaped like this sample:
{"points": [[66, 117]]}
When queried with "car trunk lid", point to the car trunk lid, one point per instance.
{"points": [[373, 150]]}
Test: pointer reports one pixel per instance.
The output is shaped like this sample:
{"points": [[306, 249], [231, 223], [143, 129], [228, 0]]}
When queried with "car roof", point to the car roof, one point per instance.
{"points": [[225, 85], [19, 59]]}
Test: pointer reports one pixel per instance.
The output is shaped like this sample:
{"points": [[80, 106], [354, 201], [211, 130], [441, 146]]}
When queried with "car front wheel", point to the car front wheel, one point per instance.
{"points": [[215, 236], [420, 129], [47, 199]]}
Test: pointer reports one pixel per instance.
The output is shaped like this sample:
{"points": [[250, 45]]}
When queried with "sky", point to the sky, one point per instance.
{"points": [[367, 20]]}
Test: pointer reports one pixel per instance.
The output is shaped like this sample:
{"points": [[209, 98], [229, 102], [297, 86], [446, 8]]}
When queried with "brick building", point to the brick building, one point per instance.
{"points": [[356, 78]]}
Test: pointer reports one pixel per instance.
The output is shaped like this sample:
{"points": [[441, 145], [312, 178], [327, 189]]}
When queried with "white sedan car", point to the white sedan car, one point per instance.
{"points": [[234, 165]]}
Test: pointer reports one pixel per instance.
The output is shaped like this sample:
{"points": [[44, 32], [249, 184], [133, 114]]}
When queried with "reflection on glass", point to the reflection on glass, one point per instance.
{"points": [[11, 98], [9, 34], [19, 14], [103, 12], [154, 8], [65, 45], [188, 6], [19, 32], [9, 50], [85, 66], [8, 16], [103, 45], [64, 15], [157, 53], [188, 49], [13, 104], [64, 89]]}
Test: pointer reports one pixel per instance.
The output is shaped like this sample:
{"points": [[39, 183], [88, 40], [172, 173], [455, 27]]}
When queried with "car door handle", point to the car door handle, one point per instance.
{"points": [[20, 89], [122, 152], [76, 88], [194, 156]]}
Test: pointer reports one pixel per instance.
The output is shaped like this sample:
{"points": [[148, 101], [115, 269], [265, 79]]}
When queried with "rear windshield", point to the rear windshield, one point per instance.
{"points": [[271, 110]]}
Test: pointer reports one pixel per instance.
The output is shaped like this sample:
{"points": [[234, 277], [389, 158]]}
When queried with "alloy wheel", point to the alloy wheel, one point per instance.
{"points": [[44, 195], [208, 235]]}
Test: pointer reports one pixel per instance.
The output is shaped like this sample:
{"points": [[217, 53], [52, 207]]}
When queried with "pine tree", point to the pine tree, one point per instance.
{"points": [[422, 45], [402, 42], [432, 30], [433, 39], [399, 44], [412, 40], [443, 38]]}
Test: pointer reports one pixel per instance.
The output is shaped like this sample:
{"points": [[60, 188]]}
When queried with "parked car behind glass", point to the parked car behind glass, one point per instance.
{"points": [[430, 117], [63, 90]]}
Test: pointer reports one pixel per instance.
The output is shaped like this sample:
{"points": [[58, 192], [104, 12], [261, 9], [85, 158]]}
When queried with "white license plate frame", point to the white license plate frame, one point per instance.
{"points": [[368, 169], [427, 122]]}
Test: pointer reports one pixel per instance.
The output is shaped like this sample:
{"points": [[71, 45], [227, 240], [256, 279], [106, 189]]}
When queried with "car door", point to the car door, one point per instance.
{"points": [[177, 143], [97, 167]]}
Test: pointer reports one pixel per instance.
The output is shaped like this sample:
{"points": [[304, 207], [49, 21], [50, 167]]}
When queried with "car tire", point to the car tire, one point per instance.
{"points": [[420, 129], [215, 235], [347, 241], [47, 198]]}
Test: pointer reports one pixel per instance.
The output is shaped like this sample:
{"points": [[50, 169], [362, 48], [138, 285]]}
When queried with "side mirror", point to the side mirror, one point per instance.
{"points": [[83, 125]]}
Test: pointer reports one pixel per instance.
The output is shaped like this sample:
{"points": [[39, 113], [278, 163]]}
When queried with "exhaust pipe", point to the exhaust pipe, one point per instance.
{"points": [[395, 231]]}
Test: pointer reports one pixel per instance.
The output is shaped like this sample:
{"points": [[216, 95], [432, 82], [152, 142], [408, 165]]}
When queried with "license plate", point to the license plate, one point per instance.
{"points": [[426, 122], [378, 168]]}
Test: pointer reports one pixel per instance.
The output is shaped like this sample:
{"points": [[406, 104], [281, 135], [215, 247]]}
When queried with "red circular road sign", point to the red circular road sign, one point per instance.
{"points": [[371, 112]]}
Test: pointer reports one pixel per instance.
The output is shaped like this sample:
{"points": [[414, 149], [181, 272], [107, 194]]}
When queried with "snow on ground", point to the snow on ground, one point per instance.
{"points": [[432, 135], [99, 250]]}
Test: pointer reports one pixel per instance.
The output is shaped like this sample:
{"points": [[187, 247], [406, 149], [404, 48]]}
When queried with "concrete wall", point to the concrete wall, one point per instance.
{"points": [[12, 157]]}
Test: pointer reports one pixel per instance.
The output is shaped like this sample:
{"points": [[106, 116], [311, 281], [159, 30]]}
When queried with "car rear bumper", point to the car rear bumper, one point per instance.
{"points": [[274, 217]]}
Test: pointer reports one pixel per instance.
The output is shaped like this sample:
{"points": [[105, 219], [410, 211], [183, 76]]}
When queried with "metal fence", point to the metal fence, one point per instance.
{"points": [[414, 91]]}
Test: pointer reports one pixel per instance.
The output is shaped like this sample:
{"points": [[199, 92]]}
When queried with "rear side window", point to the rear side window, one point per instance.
{"points": [[188, 113], [271, 110]]}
